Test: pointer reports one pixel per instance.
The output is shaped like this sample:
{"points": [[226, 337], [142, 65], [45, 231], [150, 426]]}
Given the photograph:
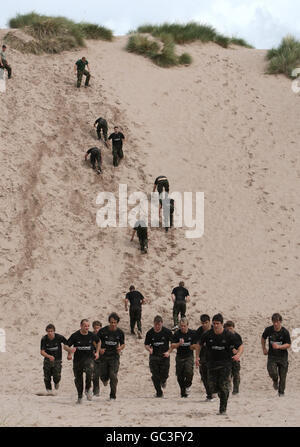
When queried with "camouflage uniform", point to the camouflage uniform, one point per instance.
{"points": [[235, 374], [85, 366], [218, 381], [109, 367], [278, 367], [178, 308], [51, 369], [159, 368]]}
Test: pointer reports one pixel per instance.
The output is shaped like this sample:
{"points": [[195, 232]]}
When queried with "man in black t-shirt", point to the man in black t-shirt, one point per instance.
{"points": [[140, 228], [202, 355], [84, 355], [112, 343], [180, 296], [96, 373], [161, 183], [101, 125], [117, 145], [52, 353], [82, 68], [136, 299], [279, 343], [157, 343], [183, 342], [235, 366], [95, 154], [219, 343]]}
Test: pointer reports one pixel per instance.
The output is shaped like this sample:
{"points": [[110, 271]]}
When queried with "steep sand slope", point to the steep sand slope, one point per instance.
{"points": [[220, 126]]}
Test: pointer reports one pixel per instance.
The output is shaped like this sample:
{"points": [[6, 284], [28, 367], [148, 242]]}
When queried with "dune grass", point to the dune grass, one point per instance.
{"points": [[53, 34], [162, 55], [285, 58], [191, 32]]}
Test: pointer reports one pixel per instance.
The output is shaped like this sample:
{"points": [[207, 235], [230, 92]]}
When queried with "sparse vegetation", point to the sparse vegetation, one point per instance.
{"points": [[191, 32], [285, 58], [53, 34], [162, 55]]}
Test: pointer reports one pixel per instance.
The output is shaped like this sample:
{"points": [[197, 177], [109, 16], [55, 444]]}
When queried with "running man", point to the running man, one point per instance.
{"points": [[279, 343], [235, 366], [136, 299], [84, 356], [219, 343], [96, 373], [112, 343], [101, 125], [82, 68], [95, 157], [157, 343], [180, 296], [117, 138], [52, 353], [183, 341], [140, 228], [202, 355]]}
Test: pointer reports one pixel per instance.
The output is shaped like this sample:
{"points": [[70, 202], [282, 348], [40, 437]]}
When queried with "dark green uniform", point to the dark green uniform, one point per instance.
{"points": [[277, 365], [52, 368], [81, 70], [219, 351], [184, 360]]}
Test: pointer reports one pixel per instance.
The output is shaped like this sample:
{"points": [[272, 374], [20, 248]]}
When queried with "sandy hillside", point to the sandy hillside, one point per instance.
{"points": [[220, 126]]}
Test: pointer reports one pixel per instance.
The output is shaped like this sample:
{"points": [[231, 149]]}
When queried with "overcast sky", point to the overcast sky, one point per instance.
{"points": [[262, 23]]}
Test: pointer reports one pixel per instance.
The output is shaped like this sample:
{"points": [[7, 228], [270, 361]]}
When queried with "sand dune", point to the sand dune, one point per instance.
{"points": [[221, 126]]}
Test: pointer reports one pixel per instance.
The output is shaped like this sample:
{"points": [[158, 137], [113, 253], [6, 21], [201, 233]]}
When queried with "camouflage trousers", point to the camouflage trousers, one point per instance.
{"points": [[86, 366], [203, 370], [278, 368], [235, 375], [7, 68], [96, 377], [218, 380], [104, 131], [178, 308], [117, 153], [80, 73], [135, 314], [109, 367], [143, 243], [159, 367], [185, 372], [51, 369]]}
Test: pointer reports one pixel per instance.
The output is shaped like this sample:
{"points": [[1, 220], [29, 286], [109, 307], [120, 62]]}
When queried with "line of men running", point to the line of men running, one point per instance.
{"points": [[218, 351]]}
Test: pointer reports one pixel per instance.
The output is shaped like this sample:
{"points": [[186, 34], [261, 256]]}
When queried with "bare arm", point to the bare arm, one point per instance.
{"points": [[149, 349], [47, 356], [263, 345], [132, 236], [238, 354], [126, 304]]}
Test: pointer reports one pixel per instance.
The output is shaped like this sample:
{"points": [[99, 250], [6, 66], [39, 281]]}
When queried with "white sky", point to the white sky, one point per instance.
{"points": [[263, 23]]}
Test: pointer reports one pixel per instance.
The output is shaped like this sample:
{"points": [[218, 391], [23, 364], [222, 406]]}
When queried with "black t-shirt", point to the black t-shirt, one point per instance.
{"points": [[238, 341], [94, 151], [101, 122], [219, 348], [83, 344], [281, 338], [184, 350], [117, 139], [159, 341], [180, 293], [160, 179], [110, 340], [53, 347], [135, 298], [203, 353]]}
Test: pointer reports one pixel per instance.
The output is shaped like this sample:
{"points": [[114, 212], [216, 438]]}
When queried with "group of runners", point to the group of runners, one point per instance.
{"points": [[218, 349]]}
